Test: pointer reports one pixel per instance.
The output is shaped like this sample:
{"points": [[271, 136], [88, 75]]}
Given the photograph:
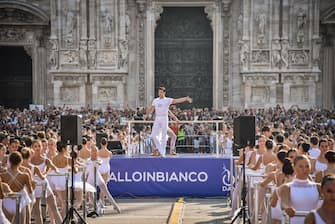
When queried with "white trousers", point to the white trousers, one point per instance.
{"points": [[159, 132]]}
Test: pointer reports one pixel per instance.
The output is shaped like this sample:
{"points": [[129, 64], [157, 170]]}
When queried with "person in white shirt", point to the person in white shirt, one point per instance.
{"points": [[314, 152], [161, 107]]}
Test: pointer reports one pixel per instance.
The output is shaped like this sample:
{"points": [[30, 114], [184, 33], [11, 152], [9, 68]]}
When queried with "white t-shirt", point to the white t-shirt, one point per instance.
{"points": [[162, 106]]}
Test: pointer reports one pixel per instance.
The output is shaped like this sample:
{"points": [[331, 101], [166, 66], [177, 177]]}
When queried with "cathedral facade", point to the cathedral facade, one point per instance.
{"points": [[223, 53]]}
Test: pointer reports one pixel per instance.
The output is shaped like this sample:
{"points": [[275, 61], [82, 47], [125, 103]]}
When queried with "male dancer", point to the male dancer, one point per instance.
{"points": [[161, 107]]}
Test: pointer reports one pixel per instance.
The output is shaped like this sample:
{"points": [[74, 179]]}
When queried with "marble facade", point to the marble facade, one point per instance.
{"points": [[91, 53]]}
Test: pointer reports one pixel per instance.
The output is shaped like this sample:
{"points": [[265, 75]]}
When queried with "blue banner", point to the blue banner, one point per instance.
{"points": [[169, 177]]}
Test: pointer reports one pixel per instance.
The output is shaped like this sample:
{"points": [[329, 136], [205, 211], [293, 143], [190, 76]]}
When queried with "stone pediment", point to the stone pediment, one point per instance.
{"points": [[328, 17], [21, 13]]}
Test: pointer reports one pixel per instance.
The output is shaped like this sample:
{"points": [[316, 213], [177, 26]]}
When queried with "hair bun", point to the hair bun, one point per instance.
{"points": [[330, 156]]}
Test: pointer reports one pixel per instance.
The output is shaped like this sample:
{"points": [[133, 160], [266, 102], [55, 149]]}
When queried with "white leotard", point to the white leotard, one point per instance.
{"points": [[39, 187], [104, 167], [10, 203], [304, 197], [317, 218], [319, 166], [3, 219], [90, 172]]}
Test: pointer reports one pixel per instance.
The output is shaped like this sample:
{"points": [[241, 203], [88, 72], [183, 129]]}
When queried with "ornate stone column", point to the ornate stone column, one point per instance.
{"points": [[224, 99], [141, 19]]}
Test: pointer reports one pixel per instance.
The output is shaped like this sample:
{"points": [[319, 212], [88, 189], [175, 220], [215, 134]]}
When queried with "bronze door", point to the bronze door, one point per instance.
{"points": [[184, 55], [15, 77]]}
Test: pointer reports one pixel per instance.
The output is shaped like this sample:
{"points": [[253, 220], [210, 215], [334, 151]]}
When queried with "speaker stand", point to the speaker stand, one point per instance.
{"points": [[69, 218]]}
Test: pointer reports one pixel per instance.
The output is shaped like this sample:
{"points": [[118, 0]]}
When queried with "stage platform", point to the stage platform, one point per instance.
{"points": [[183, 175]]}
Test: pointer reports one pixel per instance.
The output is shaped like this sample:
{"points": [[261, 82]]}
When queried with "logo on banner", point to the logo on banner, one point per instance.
{"points": [[226, 185]]}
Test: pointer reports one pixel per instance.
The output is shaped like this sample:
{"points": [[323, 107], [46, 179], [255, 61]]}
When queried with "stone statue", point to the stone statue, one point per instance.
{"points": [[82, 53], [108, 22], [261, 19], [92, 59], [70, 21], [53, 58], [284, 53], [123, 58], [127, 23], [240, 26], [244, 56], [261, 22], [301, 22]]}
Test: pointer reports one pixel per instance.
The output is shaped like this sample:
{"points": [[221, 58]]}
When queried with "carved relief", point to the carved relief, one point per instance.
{"points": [[301, 23], [260, 57], [209, 10], [157, 10], [260, 94], [10, 16], [12, 34], [29, 50], [53, 56], [107, 93], [107, 58], [110, 78], [299, 94], [298, 57], [69, 57], [69, 78], [69, 94]]}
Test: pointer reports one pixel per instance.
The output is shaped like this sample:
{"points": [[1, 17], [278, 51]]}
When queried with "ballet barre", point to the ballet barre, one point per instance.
{"points": [[250, 190], [17, 196], [297, 214], [268, 217]]}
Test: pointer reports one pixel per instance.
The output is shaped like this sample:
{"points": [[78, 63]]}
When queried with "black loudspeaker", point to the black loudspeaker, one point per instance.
{"points": [[98, 137], [244, 131], [115, 147], [70, 130]]}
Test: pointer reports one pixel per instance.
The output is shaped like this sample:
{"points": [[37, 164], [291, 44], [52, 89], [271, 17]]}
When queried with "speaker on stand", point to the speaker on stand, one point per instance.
{"points": [[244, 133], [71, 127]]}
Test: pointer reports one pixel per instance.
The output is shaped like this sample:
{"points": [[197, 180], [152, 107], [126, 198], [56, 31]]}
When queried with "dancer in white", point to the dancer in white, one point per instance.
{"points": [[293, 194], [18, 182], [161, 107], [3, 219], [105, 155], [99, 181], [325, 214]]}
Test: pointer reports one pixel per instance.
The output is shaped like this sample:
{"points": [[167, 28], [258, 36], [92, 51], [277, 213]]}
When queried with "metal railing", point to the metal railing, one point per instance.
{"points": [[215, 123]]}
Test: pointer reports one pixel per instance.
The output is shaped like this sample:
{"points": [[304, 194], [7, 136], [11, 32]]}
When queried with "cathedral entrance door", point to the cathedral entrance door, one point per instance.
{"points": [[15, 77], [184, 55]]}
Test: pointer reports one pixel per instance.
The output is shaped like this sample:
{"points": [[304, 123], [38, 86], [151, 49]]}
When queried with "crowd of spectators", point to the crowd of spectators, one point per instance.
{"points": [[294, 121]]}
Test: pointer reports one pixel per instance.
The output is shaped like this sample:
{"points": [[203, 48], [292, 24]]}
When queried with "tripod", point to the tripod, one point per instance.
{"points": [[69, 215], [243, 211]]}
